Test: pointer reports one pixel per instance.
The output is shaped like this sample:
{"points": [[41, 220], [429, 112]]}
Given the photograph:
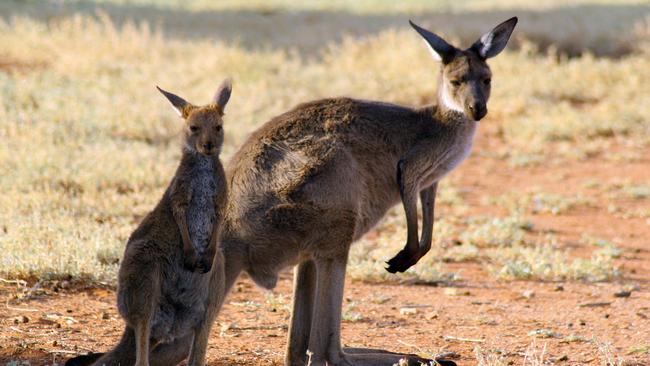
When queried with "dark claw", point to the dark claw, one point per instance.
{"points": [[401, 262], [205, 264], [413, 360], [84, 360], [443, 362], [191, 262]]}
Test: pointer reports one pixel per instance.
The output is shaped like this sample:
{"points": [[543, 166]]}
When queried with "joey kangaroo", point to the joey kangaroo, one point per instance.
{"points": [[313, 180], [169, 290]]}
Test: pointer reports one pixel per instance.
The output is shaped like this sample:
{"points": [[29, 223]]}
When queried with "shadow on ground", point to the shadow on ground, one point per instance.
{"points": [[605, 30]]}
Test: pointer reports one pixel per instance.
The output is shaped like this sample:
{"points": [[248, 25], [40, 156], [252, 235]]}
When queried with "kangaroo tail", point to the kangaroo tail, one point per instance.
{"points": [[122, 354]]}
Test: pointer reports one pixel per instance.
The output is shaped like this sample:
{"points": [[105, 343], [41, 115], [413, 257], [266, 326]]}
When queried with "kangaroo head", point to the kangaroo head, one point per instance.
{"points": [[465, 77], [203, 128]]}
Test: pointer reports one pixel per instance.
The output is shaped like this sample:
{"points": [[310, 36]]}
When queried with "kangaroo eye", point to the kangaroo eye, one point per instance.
{"points": [[455, 82], [487, 81], [194, 128], [218, 128]]}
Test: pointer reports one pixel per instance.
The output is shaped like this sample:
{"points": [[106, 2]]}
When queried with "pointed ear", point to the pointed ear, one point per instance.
{"points": [[222, 95], [440, 49], [181, 106], [493, 42]]}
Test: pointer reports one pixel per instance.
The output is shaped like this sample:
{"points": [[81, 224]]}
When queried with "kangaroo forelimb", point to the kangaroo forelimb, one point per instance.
{"points": [[411, 254], [428, 201], [180, 202], [408, 188]]}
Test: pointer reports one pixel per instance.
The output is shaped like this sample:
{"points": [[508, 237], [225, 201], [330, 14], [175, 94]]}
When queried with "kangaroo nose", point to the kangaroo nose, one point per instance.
{"points": [[478, 110], [208, 146]]}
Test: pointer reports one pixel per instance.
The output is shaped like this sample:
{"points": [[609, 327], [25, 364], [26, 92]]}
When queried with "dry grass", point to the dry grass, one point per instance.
{"points": [[89, 144]]}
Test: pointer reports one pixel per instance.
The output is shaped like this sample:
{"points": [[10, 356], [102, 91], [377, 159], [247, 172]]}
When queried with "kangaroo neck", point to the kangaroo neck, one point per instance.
{"points": [[199, 161]]}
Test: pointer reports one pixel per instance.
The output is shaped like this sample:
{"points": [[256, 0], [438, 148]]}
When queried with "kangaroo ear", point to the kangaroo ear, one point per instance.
{"points": [[222, 95], [493, 42], [440, 49], [181, 106]]}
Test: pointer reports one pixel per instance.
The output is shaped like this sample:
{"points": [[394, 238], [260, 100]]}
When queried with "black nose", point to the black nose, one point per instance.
{"points": [[478, 110], [208, 146]]}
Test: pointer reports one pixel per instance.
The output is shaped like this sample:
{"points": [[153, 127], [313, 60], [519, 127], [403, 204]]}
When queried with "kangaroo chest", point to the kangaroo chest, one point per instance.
{"points": [[457, 152], [201, 211]]}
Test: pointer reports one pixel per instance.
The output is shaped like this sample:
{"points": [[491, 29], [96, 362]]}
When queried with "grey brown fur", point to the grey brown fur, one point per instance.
{"points": [[311, 181], [171, 278]]}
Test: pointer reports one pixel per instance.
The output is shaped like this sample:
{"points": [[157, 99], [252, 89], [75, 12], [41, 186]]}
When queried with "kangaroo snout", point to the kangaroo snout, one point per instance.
{"points": [[208, 146], [477, 111]]}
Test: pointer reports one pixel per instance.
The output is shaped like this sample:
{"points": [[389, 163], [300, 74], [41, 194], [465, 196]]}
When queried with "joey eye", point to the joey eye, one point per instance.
{"points": [[194, 128], [455, 82], [487, 81]]}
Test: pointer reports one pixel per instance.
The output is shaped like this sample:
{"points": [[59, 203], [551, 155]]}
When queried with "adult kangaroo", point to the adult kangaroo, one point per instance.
{"points": [[311, 181]]}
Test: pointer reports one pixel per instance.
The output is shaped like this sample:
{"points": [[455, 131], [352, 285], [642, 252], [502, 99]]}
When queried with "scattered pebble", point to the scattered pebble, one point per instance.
{"points": [[559, 288], [623, 293], [446, 355], [105, 316], [21, 319], [582, 322], [543, 333], [452, 291], [563, 358], [408, 311], [632, 287], [529, 294], [431, 315]]}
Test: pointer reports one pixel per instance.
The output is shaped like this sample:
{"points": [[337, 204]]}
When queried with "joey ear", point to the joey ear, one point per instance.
{"points": [[181, 106], [440, 49], [493, 42], [222, 95]]}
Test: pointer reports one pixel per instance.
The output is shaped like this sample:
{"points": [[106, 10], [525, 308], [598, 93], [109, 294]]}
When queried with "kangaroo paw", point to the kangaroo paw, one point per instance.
{"points": [[204, 264], [402, 261], [191, 261]]}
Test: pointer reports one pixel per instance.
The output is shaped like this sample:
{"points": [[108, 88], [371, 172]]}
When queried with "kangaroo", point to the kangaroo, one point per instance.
{"points": [[168, 288], [313, 180], [310, 182]]}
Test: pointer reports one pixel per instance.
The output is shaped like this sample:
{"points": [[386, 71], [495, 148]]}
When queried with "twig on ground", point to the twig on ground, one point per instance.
{"points": [[16, 282], [19, 309], [259, 327], [62, 351], [595, 304], [461, 339]]}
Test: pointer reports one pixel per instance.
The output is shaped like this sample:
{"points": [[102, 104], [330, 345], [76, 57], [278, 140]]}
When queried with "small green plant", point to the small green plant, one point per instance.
{"points": [[277, 303], [351, 313], [544, 262]]}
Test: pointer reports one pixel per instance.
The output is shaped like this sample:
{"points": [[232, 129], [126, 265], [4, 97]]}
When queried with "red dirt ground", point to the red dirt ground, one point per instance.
{"points": [[494, 315]]}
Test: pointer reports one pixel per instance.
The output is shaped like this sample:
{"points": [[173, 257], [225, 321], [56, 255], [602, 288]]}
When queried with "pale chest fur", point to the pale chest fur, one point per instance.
{"points": [[201, 212], [460, 149]]}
